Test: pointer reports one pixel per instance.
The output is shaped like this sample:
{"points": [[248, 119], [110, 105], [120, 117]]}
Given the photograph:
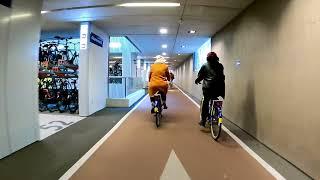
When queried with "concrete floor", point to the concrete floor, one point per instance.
{"points": [[177, 147], [50, 158], [178, 150]]}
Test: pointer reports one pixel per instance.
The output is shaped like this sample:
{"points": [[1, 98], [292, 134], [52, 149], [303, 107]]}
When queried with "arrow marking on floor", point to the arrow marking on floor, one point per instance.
{"points": [[174, 169]]}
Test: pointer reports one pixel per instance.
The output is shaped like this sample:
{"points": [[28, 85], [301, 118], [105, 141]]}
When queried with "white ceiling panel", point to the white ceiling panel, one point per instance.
{"points": [[141, 20], [59, 25], [142, 25], [190, 43], [136, 30], [207, 12], [94, 14], [139, 25], [241, 4], [151, 44], [202, 30]]}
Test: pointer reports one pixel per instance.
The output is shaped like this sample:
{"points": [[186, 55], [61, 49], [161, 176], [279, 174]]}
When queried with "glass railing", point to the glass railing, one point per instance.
{"points": [[121, 87]]}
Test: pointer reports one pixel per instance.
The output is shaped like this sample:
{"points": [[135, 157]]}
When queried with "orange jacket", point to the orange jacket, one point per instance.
{"points": [[158, 77]]}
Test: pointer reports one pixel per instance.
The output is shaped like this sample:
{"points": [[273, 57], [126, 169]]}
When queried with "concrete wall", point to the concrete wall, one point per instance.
{"points": [[19, 34], [184, 78], [274, 94], [4, 27], [93, 73]]}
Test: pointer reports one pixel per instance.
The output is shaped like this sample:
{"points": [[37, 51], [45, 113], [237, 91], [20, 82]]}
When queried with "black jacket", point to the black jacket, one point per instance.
{"points": [[213, 78]]}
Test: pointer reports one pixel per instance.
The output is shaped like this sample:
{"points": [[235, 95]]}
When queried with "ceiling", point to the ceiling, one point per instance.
{"points": [[141, 25]]}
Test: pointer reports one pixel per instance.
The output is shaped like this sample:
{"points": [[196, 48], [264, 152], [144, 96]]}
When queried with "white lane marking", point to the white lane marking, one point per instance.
{"points": [[267, 166], [174, 169], [85, 157]]}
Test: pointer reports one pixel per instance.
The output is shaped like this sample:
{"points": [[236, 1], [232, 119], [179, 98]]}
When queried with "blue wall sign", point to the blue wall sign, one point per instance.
{"points": [[95, 39]]}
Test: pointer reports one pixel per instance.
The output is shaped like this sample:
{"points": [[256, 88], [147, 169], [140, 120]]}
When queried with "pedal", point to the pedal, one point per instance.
{"points": [[207, 125]]}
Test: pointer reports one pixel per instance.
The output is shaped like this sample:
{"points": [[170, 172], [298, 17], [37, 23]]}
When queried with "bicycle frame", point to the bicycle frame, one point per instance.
{"points": [[215, 111], [157, 107], [158, 103]]}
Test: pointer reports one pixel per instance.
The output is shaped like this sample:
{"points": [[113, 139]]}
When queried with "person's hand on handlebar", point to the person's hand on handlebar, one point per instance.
{"points": [[197, 81]]}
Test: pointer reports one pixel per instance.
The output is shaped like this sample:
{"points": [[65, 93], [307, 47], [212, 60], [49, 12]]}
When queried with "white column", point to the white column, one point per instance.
{"points": [[134, 73], [84, 70], [4, 28], [138, 67], [19, 32], [93, 71], [148, 71]]}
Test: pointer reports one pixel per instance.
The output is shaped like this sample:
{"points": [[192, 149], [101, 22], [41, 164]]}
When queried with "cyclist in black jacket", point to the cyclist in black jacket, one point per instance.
{"points": [[213, 86]]}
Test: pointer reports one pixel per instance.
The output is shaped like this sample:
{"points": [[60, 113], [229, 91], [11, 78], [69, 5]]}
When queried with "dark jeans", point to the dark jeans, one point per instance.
{"points": [[163, 97], [207, 96]]}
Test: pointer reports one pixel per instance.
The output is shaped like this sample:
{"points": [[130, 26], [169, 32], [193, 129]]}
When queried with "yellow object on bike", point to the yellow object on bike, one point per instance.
{"points": [[220, 120]]}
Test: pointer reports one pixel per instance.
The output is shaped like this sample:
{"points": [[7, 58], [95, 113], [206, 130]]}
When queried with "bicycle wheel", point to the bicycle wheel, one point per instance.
{"points": [[42, 107], [158, 117], [62, 107], [215, 128], [201, 108], [73, 107]]}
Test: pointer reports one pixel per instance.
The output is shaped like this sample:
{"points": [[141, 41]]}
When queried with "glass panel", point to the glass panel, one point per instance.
{"points": [[124, 75], [134, 84], [121, 87], [117, 87], [115, 64], [200, 56]]}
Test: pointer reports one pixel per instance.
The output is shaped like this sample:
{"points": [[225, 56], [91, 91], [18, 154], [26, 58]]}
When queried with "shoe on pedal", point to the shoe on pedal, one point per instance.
{"points": [[152, 108], [202, 124], [165, 106]]}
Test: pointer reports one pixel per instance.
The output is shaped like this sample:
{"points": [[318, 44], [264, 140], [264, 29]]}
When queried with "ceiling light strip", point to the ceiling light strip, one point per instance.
{"points": [[117, 5]]}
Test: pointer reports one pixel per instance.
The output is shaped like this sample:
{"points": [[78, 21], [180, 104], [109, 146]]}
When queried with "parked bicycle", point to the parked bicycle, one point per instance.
{"points": [[58, 66], [58, 94], [59, 49]]}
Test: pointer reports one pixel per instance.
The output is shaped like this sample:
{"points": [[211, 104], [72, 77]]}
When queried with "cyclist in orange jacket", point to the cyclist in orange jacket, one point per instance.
{"points": [[158, 80]]}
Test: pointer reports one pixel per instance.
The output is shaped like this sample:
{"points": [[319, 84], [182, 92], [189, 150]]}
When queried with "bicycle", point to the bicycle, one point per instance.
{"points": [[62, 94], [67, 56], [58, 74], [215, 117], [73, 98], [158, 107]]}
